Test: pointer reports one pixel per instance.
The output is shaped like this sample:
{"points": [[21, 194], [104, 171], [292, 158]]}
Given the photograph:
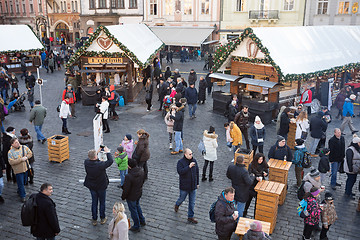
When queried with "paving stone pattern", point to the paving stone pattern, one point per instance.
{"points": [[73, 201]]}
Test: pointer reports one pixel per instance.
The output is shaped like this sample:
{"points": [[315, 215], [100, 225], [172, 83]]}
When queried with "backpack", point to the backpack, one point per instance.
{"points": [[116, 97], [302, 209], [58, 108], [29, 211], [307, 160], [201, 148], [212, 211], [301, 191]]}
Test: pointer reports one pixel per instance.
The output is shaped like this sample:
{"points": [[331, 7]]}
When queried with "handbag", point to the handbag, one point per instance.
{"points": [[201, 148], [303, 133], [31, 172]]}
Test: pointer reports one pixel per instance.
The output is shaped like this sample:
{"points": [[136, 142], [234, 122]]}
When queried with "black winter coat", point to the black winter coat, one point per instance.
{"points": [[317, 125], [142, 152], [178, 120], [279, 153], [6, 147], [191, 95], [324, 165], [337, 149], [284, 124], [96, 177], [232, 113], [192, 78], [202, 90], [188, 177], [208, 80], [132, 188], [225, 223], [48, 223], [240, 119], [240, 181], [2, 165], [256, 134]]}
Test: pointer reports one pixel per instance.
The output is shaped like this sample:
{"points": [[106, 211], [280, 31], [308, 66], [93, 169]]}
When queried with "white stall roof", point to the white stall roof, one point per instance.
{"points": [[182, 36], [18, 38]]}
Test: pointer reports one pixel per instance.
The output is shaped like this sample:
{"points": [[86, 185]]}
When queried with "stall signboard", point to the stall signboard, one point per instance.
{"points": [[275, 89], [100, 60], [253, 88]]}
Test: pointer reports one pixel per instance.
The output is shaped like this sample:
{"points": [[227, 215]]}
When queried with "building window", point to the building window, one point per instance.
{"points": [[91, 4], [289, 5], [323, 6], [187, 7], [102, 3], [76, 6], [117, 4], [153, 7], [344, 7], [17, 8], [23, 8], [205, 6], [169, 7], [62, 7], [6, 7], [72, 6], [132, 3], [240, 5], [31, 8], [11, 8]]}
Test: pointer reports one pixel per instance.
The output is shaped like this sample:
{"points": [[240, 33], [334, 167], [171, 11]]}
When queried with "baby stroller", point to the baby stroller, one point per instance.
{"points": [[17, 104], [166, 106]]}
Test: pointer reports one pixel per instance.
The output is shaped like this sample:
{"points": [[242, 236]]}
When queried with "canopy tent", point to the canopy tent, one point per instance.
{"points": [[182, 36], [18, 38], [136, 41], [296, 52]]}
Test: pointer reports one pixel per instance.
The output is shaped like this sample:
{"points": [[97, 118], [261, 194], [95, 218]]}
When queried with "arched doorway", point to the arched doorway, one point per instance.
{"points": [[41, 27], [62, 34]]}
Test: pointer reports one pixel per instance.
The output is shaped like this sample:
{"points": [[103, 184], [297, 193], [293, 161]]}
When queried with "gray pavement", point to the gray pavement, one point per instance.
{"points": [[73, 200]]}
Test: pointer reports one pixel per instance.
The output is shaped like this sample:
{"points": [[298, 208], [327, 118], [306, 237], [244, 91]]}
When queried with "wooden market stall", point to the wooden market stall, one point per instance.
{"points": [[297, 57], [116, 55], [18, 42]]}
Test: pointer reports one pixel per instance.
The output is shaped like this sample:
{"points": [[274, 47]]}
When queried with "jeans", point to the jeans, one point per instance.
{"points": [[122, 176], [20, 180], [192, 196], [334, 170], [3, 94], [178, 141], [39, 134], [41, 238], [350, 181], [136, 213], [240, 208], [31, 104], [192, 109], [99, 195], [17, 90], [1, 185], [64, 120], [313, 144]]}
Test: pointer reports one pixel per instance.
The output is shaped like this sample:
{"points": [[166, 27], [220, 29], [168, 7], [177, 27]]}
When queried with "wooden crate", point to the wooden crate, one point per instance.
{"points": [[58, 148], [247, 157], [278, 172], [291, 135], [267, 200]]}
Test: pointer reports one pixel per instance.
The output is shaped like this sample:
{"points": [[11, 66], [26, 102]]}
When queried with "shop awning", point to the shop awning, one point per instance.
{"points": [[226, 77], [101, 71], [182, 36], [258, 82]]}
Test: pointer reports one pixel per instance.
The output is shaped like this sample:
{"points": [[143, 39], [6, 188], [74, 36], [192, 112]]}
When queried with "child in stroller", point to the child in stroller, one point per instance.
{"points": [[16, 102]]}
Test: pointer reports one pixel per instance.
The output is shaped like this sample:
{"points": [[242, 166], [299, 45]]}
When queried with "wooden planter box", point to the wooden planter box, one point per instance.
{"points": [[247, 157], [267, 201], [278, 172], [291, 135], [58, 148]]}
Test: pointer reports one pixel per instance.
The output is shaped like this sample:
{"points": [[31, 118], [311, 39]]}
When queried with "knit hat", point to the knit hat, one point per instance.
{"points": [[315, 193], [356, 139], [69, 85], [352, 96], [256, 226], [328, 196], [128, 136], [260, 125], [314, 173], [120, 149], [211, 129], [178, 104], [299, 141], [280, 138]]}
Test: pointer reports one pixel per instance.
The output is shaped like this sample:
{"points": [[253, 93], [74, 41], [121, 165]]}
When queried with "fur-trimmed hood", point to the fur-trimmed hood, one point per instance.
{"points": [[210, 135]]}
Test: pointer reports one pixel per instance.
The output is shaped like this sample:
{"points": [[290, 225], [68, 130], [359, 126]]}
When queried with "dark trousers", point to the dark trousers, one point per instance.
{"points": [[112, 110], [64, 120], [145, 167], [72, 107], [98, 196], [10, 173], [209, 89], [148, 101], [252, 194], [350, 181], [323, 233], [261, 148], [41, 238], [106, 127], [211, 168], [244, 131], [308, 230], [223, 237]]}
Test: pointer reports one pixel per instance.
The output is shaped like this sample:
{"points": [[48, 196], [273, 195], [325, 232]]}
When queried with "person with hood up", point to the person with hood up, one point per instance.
{"points": [[298, 160], [328, 215], [280, 151], [64, 113], [225, 215], [210, 143], [177, 114], [128, 144], [312, 180], [318, 127], [257, 134], [142, 152], [202, 90], [68, 91], [324, 164], [121, 159], [255, 232], [113, 102], [192, 77], [352, 165], [284, 123], [348, 113]]}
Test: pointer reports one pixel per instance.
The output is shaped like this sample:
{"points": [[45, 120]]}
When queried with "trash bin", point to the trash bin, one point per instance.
{"points": [[58, 148]]}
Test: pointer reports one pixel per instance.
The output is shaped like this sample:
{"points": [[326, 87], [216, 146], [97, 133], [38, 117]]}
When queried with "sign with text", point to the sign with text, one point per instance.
{"points": [[105, 60], [98, 132]]}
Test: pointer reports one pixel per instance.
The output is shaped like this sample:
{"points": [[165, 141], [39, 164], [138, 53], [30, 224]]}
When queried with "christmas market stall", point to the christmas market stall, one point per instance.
{"points": [[270, 67], [19, 47], [115, 55]]}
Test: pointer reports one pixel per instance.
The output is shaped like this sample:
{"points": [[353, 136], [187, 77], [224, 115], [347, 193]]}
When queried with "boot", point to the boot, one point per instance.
{"points": [[211, 178], [203, 179], [358, 206], [67, 131], [63, 130]]}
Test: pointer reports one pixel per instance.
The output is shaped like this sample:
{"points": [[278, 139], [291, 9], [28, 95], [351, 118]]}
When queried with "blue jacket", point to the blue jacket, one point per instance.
{"points": [[191, 95], [348, 108], [188, 177], [299, 155]]}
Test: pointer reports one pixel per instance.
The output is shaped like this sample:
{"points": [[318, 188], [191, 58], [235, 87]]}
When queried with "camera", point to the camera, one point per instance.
{"points": [[102, 147]]}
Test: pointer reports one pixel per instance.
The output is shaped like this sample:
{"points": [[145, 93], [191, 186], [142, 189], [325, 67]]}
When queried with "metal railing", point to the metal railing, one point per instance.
{"points": [[264, 14]]}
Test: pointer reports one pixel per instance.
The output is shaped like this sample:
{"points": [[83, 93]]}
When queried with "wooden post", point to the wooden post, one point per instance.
{"points": [[278, 172]]}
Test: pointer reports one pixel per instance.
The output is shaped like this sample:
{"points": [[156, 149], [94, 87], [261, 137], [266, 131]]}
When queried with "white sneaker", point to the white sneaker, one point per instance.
{"points": [[232, 160], [230, 149], [170, 146]]}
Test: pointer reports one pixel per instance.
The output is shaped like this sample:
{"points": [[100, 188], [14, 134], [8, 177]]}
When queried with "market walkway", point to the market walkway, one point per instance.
{"points": [[161, 190]]}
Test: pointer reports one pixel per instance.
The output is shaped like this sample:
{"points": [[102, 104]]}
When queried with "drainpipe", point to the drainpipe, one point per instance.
{"points": [[221, 15], [304, 20]]}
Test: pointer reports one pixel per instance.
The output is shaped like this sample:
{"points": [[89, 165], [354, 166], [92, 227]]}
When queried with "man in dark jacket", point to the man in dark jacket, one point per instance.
{"points": [[177, 114], [318, 127], [96, 181], [132, 191], [224, 214], [188, 171], [280, 150], [284, 123], [241, 180], [47, 226], [209, 84], [336, 156], [242, 121], [192, 77], [191, 96]]}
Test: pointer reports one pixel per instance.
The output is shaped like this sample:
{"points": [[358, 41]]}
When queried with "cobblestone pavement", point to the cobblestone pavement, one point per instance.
{"points": [[161, 190]]}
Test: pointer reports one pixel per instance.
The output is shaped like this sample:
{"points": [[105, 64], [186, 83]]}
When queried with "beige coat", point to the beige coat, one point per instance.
{"points": [[120, 230], [15, 156]]}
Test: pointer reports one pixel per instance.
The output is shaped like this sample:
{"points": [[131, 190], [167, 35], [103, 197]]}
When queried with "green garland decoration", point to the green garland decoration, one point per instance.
{"points": [[223, 52], [82, 50]]}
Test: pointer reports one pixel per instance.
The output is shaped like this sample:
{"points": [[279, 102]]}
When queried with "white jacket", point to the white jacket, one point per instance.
{"points": [[64, 110], [210, 143], [104, 109], [301, 126]]}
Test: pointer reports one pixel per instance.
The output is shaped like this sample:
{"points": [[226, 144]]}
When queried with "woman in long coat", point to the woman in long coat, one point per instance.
{"points": [[202, 90], [210, 143]]}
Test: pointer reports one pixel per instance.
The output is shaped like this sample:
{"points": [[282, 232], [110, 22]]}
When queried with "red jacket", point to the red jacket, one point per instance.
{"points": [[309, 99], [72, 98]]}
